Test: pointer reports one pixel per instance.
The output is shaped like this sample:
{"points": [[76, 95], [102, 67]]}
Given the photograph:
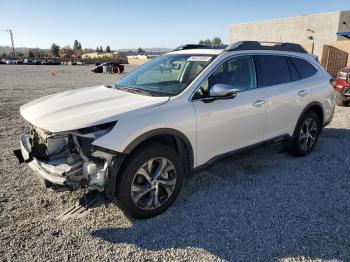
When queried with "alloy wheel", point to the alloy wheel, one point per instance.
{"points": [[308, 134], [153, 183]]}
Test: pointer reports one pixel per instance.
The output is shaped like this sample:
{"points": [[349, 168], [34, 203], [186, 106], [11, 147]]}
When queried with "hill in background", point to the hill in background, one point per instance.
{"points": [[152, 50], [8, 49]]}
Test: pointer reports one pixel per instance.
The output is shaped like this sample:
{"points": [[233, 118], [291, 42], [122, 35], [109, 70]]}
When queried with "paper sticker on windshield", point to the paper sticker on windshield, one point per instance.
{"points": [[199, 58]]}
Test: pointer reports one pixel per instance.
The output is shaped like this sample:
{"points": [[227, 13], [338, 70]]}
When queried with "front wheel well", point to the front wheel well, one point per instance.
{"points": [[179, 143]]}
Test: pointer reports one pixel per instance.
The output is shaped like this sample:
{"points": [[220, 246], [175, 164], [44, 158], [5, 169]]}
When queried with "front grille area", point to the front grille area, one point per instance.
{"points": [[39, 147], [85, 144]]}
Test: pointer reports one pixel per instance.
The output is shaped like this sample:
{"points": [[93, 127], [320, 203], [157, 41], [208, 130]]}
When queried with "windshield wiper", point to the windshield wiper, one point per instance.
{"points": [[135, 90]]}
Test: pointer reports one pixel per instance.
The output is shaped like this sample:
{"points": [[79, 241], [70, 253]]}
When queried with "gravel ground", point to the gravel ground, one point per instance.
{"points": [[259, 206]]}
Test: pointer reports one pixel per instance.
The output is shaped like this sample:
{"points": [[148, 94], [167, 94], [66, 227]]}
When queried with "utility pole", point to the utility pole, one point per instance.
{"points": [[13, 46]]}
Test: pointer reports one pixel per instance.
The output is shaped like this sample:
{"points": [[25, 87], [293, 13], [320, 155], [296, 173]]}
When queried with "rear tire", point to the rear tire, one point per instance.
{"points": [[305, 135], [150, 181]]}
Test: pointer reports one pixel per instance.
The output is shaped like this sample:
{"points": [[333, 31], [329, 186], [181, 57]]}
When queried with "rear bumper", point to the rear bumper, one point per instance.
{"points": [[58, 173]]}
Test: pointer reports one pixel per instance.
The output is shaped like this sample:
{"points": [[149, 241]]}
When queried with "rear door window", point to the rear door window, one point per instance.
{"points": [[304, 67], [273, 69]]}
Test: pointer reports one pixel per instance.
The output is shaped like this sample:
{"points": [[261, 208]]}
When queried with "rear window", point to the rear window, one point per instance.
{"points": [[305, 68], [274, 70]]}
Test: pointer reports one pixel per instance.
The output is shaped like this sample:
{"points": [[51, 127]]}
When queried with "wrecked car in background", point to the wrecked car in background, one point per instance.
{"points": [[116, 68], [342, 87]]}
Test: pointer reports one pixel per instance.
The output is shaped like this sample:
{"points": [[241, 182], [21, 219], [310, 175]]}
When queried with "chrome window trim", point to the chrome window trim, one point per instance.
{"points": [[191, 99]]}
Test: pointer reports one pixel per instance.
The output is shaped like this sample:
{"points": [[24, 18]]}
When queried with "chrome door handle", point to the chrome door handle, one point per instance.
{"points": [[258, 103], [303, 92]]}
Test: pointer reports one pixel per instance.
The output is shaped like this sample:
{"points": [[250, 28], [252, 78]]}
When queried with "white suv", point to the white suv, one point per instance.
{"points": [[139, 139]]}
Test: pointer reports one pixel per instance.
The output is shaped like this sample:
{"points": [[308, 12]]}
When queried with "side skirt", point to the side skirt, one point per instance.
{"points": [[216, 159]]}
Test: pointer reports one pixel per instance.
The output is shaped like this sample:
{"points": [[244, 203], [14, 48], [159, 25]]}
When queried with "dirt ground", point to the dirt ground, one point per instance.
{"points": [[257, 206]]}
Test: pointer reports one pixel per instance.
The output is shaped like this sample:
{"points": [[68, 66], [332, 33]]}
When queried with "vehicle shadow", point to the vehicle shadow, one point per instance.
{"points": [[259, 206]]}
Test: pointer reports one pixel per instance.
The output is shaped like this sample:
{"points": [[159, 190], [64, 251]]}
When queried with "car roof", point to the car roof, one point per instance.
{"points": [[198, 51], [240, 46]]}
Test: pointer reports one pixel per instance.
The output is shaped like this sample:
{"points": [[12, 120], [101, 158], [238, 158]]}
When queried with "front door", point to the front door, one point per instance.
{"points": [[225, 125]]}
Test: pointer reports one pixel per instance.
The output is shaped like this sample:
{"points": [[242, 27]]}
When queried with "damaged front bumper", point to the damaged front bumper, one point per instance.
{"points": [[56, 172], [64, 159]]}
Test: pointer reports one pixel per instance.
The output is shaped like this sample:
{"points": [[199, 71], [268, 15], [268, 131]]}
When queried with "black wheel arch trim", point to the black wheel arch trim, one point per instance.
{"points": [[111, 176], [314, 103], [118, 160], [163, 131]]}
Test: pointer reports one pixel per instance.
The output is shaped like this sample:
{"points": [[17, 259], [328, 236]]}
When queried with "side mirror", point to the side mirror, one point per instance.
{"points": [[222, 91]]}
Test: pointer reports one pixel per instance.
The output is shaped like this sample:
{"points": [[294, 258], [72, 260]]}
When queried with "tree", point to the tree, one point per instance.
{"points": [[38, 53], [79, 46], [78, 53], [87, 50], [108, 49], [101, 49], [19, 54], [31, 54], [97, 49], [140, 50], [55, 49], [205, 42], [4, 55], [216, 41], [66, 52], [75, 45]]}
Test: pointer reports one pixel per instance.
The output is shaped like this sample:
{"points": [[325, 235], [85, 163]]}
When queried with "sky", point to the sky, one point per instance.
{"points": [[137, 23]]}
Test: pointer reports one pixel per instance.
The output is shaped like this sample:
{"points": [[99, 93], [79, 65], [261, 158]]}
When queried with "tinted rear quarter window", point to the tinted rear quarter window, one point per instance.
{"points": [[294, 74], [304, 67], [274, 70]]}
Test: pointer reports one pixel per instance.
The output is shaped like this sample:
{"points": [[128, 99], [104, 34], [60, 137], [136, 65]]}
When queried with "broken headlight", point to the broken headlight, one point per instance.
{"points": [[97, 128]]}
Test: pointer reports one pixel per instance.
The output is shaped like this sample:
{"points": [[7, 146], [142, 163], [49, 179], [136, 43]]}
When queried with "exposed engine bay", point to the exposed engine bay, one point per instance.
{"points": [[67, 158]]}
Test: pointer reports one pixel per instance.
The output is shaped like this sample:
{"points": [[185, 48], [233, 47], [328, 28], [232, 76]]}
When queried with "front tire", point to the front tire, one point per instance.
{"points": [[305, 134], [150, 181]]}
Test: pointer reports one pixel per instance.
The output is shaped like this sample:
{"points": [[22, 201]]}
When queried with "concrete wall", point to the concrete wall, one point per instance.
{"points": [[294, 29], [344, 17]]}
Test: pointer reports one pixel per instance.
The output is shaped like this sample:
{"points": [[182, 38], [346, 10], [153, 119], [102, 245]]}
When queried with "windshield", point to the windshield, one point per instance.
{"points": [[166, 75]]}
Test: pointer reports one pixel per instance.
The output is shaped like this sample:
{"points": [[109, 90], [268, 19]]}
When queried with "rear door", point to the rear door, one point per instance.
{"points": [[287, 95]]}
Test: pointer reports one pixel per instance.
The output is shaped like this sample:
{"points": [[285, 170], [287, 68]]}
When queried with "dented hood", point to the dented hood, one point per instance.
{"points": [[84, 107]]}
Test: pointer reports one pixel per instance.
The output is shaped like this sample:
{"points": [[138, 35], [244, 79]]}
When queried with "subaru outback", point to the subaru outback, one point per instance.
{"points": [[138, 140]]}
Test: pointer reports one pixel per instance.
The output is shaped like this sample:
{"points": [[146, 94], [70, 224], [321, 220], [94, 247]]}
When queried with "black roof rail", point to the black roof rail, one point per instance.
{"points": [[199, 46], [276, 46]]}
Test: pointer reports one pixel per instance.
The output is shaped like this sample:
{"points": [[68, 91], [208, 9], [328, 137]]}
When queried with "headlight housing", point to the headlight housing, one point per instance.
{"points": [[97, 128]]}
